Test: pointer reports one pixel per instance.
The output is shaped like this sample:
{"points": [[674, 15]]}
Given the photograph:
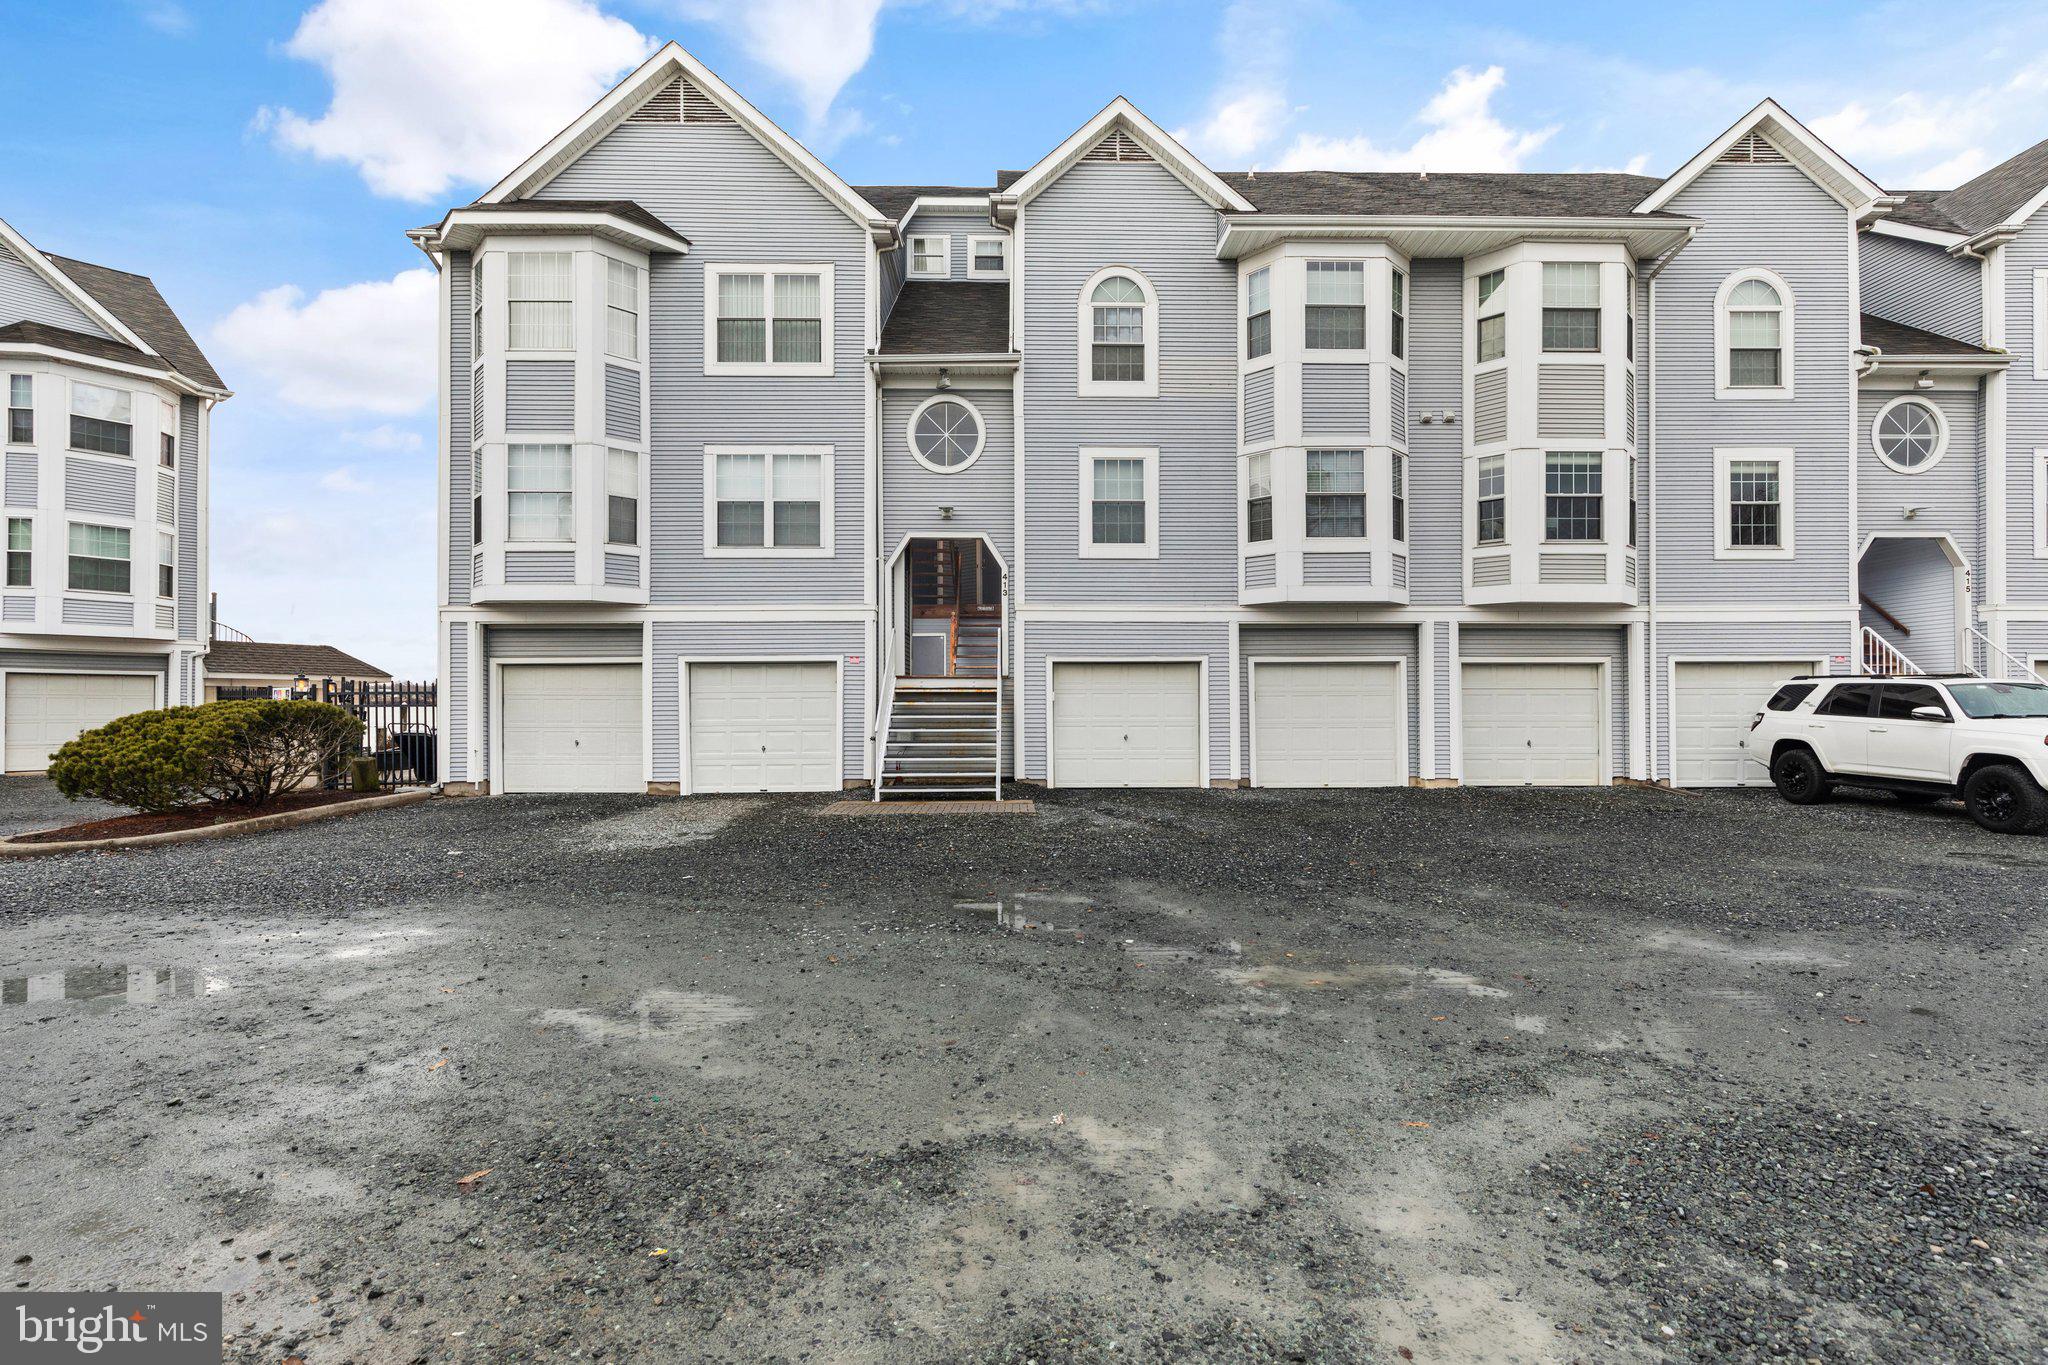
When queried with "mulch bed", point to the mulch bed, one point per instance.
{"points": [[196, 817]]}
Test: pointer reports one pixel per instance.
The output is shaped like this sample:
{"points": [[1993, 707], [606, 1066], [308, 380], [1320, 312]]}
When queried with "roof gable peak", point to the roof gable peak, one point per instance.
{"points": [[1768, 134], [1120, 132]]}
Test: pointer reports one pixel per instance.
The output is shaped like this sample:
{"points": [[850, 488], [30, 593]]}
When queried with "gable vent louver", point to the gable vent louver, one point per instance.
{"points": [[663, 106], [1753, 150], [699, 107], [1118, 146]]}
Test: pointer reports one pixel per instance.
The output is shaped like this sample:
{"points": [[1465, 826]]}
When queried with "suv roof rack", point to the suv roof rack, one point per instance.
{"points": [[1888, 677]]}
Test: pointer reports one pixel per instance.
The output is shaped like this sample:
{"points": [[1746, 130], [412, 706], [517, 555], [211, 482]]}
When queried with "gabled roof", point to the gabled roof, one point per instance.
{"points": [[1896, 340], [1121, 114], [135, 301], [1464, 195], [82, 343], [262, 659], [1821, 163], [2001, 196], [940, 317], [896, 200], [629, 94]]}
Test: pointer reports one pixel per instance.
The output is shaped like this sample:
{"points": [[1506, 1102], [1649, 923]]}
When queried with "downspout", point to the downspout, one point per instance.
{"points": [[884, 654], [1650, 481]]}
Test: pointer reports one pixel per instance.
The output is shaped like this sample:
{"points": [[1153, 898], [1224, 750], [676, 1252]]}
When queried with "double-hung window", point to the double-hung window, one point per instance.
{"points": [[1753, 502], [1258, 313], [540, 499], [1336, 494], [1756, 336], [931, 256], [1334, 319], [1629, 350], [622, 497], [476, 497], [1571, 495], [1631, 502], [1258, 497], [539, 301], [1398, 334], [1119, 503], [167, 450], [988, 257], [99, 558], [102, 420], [1492, 510], [20, 552], [166, 564], [21, 409], [1400, 486], [768, 500], [1571, 306], [622, 309], [1492, 327], [771, 320], [1117, 338]]}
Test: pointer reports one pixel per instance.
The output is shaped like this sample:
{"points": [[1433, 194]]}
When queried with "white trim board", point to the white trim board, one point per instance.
{"points": [[1121, 113]]}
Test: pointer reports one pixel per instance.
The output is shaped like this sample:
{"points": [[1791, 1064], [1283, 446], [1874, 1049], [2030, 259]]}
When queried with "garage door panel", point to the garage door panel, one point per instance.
{"points": [[1532, 724], [1335, 724], [764, 727], [45, 711], [572, 728], [1713, 704], [1127, 724]]}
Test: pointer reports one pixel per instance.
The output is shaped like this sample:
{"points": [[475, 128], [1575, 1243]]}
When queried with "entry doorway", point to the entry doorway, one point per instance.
{"points": [[955, 591]]}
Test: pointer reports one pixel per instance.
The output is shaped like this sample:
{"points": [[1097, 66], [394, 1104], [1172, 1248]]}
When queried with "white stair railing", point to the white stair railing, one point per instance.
{"points": [[882, 719], [1002, 654], [1883, 660], [2001, 666]]}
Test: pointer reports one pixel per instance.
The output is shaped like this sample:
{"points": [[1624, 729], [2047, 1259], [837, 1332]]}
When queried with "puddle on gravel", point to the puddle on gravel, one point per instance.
{"points": [[660, 826], [653, 1017], [1402, 982], [106, 986], [1034, 912]]}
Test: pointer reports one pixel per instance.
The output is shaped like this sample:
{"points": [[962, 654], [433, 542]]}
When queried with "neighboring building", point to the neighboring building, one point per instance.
{"points": [[1144, 474], [281, 667], [103, 477]]}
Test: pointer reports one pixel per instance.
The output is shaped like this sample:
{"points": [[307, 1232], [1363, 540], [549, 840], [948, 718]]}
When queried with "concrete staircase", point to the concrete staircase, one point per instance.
{"points": [[942, 738]]}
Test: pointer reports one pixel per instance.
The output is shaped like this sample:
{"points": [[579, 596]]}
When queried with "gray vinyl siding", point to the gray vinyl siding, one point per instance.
{"points": [[192, 463], [954, 226], [766, 640], [1136, 215], [1921, 285], [1258, 407], [621, 403], [540, 566], [456, 688], [1436, 453], [1260, 571], [1571, 403], [1479, 643], [1809, 642], [1774, 217], [1442, 661], [621, 570], [2028, 641], [982, 496], [166, 500], [2026, 413], [1397, 396], [22, 483], [1336, 566], [17, 608], [540, 396], [461, 535], [92, 488], [1336, 400], [1124, 641], [736, 202], [99, 611], [1332, 642], [1490, 407], [25, 296], [546, 642], [1558, 566], [1950, 496]]}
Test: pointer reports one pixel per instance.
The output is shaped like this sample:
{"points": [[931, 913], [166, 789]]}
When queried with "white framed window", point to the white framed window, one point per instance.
{"points": [[768, 319], [2040, 338], [21, 541], [1490, 327], [768, 500], [1753, 502], [1574, 501], [540, 301], [1753, 335], [1400, 490], [1910, 434], [102, 420], [1258, 496], [988, 258], [1335, 505], [1119, 502], [1631, 502], [1333, 314], [621, 309], [166, 564], [476, 498], [21, 409], [1258, 313], [476, 307], [540, 501], [1628, 350], [1490, 519], [1571, 306], [1397, 336], [931, 255], [945, 434], [621, 497], [1119, 335], [99, 558]]}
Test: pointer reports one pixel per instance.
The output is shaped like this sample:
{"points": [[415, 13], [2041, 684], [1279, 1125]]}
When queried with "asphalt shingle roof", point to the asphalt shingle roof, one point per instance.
{"points": [[1991, 197], [135, 301], [617, 208], [1896, 338], [895, 200], [258, 658], [1923, 209], [937, 317], [1576, 194], [84, 343]]}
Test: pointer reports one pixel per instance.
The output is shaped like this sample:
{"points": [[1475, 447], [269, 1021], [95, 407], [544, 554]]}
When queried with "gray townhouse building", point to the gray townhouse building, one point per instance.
{"points": [[103, 489], [1124, 471]]}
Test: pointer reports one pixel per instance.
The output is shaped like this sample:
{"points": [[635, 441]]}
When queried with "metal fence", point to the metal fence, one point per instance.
{"points": [[399, 720]]}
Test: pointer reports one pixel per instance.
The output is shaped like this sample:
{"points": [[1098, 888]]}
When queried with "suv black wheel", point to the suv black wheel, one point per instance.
{"points": [[1800, 778], [2004, 800]]}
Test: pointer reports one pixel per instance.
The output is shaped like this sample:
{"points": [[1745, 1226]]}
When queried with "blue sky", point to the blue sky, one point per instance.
{"points": [[261, 162]]}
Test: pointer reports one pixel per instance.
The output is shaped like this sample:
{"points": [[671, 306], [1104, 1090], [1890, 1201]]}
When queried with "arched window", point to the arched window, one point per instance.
{"points": [[1910, 434], [1753, 336], [1119, 335]]}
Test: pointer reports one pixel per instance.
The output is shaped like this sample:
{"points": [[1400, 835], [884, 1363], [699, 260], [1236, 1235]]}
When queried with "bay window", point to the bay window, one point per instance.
{"points": [[21, 409], [540, 498], [1336, 494], [1571, 306], [1492, 327], [622, 309], [1492, 518], [1258, 497], [102, 420], [1571, 495], [20, 552], [1398, 335], [1334, 316], [622, 497], [1258, 314]]}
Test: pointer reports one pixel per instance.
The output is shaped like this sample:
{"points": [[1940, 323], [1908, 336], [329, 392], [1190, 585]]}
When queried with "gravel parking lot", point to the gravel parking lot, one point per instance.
{"points": [[1444, 1076]]}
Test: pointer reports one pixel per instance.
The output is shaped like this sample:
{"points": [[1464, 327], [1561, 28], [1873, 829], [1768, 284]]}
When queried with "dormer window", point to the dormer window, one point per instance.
{"points": [[540, 301], [931, 257], [988, 257]]}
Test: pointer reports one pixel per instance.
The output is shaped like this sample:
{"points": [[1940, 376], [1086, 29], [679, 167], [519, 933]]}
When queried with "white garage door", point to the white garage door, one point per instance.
{"points": [[572, 728], [1127, 725], [47, 710], [764, 727], [1327, 725], [1710, 719], [1532, 724]]}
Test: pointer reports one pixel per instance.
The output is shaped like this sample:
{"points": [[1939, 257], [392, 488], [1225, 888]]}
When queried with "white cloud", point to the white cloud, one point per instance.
{"points": [[1464, 135], [1237, 128], [1918, 141], [1249, 107], [385, 437], [344, 480], [815, 46], [429, 95], [363, 347], [166, 16]]}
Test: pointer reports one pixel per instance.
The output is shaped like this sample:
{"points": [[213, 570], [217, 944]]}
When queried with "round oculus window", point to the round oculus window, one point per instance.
{"points": [[945, 434], [1910, 435]]}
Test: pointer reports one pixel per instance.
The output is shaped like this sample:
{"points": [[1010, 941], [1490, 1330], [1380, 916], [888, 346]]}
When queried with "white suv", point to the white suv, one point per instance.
{"points": [[1924, 738]]}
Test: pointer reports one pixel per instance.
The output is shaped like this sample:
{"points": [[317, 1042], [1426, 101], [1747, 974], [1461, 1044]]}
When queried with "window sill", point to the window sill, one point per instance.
{"points": [[1108, 388], [1311, 355], [1576, 544], [98, 454], [767, 552], [1335, 545], [1744, 394], [103, 592], [1732, 552], [819, 370], [1119, 552], [510, 354]]}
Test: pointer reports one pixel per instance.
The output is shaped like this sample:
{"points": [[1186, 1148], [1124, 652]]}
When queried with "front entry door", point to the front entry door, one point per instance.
{"points": [[956, 605]]}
